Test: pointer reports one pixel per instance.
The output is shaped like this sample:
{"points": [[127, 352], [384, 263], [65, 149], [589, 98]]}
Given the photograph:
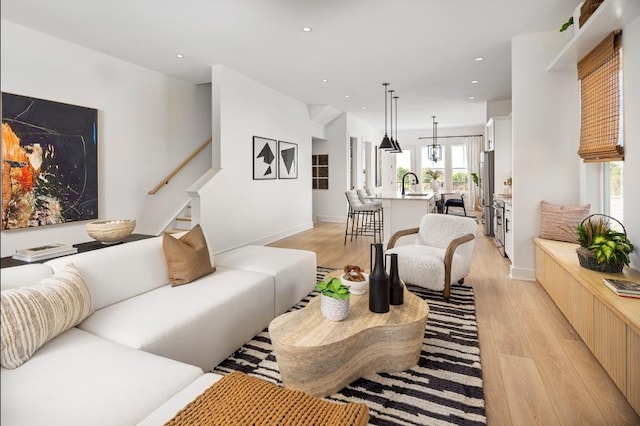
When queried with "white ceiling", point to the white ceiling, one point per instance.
{"points": [[424, 48]]}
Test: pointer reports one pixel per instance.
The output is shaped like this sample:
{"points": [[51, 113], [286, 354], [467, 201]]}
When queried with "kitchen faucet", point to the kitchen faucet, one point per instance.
{"points": [[405, 175]]}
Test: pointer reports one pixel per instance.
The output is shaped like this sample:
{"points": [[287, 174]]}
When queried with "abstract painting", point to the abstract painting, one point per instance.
{"points": [[287, 160], [49, 162], [264, 158]]}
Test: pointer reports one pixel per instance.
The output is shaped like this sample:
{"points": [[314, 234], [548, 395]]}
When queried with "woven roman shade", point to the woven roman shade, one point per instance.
{"points": [[599, 74]]}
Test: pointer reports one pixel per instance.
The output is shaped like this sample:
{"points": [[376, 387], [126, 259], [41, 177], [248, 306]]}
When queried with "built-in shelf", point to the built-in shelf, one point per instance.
{"points": [[611, 15]]}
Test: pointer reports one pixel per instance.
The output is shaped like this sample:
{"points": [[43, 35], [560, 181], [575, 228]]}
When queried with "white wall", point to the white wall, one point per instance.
{"points": [[545, 140], [498, 108], [364, 133], [631, 67], [147, 124], [235, 209], [331, 205]]}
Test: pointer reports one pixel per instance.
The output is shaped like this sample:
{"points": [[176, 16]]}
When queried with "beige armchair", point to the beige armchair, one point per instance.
{"points": [[436, 253]]}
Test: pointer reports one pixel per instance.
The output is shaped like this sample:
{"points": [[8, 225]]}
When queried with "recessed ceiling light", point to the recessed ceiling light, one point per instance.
{"points": [[346, 96], [306, 29], [179, 55], [472, 97], [474, 81], [479, 58], [364, 107], [324, 80]]}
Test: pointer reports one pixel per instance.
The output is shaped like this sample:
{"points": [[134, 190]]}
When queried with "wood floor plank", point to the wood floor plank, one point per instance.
{"points": [[527, 398], [563, 384], [605, 394], [519, 389]]}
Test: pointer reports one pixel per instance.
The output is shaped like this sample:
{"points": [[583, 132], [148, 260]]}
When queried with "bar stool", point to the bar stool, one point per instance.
{"points": [[366, 219]]}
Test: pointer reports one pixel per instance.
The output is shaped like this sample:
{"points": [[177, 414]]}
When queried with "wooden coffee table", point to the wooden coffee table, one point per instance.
{"points": [[320, 357]]}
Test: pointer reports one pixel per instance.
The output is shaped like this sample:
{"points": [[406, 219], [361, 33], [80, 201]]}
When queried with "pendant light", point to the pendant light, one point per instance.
{"points": [[396, 143], [386, 143], [435, 150], [393, 142]]}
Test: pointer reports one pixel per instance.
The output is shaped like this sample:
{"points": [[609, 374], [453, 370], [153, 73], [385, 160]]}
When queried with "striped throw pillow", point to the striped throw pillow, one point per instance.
{"points": [[31, 316]]}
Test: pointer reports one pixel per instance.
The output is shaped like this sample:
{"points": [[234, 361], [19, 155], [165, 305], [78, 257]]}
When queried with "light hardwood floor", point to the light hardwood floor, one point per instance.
{"points": [[536, 370]]}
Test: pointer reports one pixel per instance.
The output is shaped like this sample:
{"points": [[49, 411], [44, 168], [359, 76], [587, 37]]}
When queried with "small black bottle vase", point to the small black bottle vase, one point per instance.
{"points": [[396, 288], [378, 282]]}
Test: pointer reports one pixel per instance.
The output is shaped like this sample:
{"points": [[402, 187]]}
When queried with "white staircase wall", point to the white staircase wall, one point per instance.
{"points": [[236, 210]]}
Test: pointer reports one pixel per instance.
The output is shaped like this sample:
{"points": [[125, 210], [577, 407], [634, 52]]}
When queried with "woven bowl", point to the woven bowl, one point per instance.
{"points": [[110, 231], [356, 287]]}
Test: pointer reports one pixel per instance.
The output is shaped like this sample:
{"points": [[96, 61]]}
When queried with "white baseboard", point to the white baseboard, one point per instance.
{"points": [[335, 219], [271, 238], [522, 274]]}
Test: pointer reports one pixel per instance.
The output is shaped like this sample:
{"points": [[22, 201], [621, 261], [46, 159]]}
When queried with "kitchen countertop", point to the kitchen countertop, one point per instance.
{"points": [[398, 196]]}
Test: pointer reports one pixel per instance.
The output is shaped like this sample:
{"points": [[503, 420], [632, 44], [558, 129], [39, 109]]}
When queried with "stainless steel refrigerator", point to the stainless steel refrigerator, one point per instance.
{"points": [[486, 190]]}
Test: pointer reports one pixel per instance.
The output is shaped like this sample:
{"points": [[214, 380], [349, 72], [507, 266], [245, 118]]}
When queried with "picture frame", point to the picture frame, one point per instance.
{"points": [[265, 158], [50, 162], [287, 160]]}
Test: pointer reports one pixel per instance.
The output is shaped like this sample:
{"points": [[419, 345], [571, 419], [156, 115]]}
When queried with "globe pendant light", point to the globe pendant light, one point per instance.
{"points": [[386, 143], [396, 143], [435, 150]]}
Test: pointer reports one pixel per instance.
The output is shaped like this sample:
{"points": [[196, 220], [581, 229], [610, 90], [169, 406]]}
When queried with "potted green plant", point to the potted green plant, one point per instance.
{"points": [[602, 248], [334, 302], [475, 178]]}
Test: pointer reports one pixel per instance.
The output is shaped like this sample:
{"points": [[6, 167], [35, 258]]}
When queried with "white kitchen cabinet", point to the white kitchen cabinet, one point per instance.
{"points": [[498, 139], [508, 232]]}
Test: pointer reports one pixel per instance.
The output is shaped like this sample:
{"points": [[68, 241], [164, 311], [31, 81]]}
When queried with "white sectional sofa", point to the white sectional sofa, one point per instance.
{"points": [[145, 349]]}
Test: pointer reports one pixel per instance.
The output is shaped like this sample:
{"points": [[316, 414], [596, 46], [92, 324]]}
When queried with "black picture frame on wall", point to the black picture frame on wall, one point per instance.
{"points": [[287, 160], [265, 159], [50, 162]]}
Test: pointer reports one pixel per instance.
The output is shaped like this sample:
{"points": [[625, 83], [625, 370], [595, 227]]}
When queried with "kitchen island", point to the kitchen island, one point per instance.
{"points": [[404, 211]]}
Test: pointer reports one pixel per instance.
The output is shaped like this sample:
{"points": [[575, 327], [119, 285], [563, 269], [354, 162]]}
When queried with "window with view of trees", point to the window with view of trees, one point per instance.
{"points": [[459, 170]]}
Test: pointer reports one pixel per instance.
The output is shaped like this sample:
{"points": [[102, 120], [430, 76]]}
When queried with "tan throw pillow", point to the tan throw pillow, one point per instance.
{"points": [[31, 316], [559, 222], [187, 257]]}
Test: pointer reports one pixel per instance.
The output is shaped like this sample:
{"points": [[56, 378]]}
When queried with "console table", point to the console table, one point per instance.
{"points": [[607, 323], [8, 261]]}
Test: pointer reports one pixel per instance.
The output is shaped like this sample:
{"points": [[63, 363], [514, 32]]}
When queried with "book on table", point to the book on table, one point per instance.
{"points": [[623, 287], [48, 251]]}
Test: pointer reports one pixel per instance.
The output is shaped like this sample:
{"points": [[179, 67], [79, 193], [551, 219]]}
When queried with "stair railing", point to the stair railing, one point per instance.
{"points": [[180, 167]]}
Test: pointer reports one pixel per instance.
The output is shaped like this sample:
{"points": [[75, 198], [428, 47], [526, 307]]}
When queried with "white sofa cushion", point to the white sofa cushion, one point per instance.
{"points": [[33, 315], [81, 379], [294, 271], [119, 272], [169, 409], [201, 323], [24, 275]]}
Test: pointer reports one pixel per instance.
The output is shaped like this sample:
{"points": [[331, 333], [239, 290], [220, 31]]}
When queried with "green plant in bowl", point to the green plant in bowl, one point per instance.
{"points": [[608, 247], [333, 288]]}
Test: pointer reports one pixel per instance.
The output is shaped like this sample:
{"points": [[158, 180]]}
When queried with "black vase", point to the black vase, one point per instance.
{"points": [[378, 282], [396, 288]]}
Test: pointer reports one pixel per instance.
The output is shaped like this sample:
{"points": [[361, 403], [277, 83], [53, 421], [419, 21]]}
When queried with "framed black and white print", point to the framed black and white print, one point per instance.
{"points": [[265, 164], [287, 160]]}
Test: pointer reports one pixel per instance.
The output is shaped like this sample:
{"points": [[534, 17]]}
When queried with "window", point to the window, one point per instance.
{"points": [[613, 184], [430, 168], [459, 170], [403, 166]]}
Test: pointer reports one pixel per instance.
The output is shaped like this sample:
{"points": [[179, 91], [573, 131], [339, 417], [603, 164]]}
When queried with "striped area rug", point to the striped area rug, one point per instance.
{"points": [[445, 388]]}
